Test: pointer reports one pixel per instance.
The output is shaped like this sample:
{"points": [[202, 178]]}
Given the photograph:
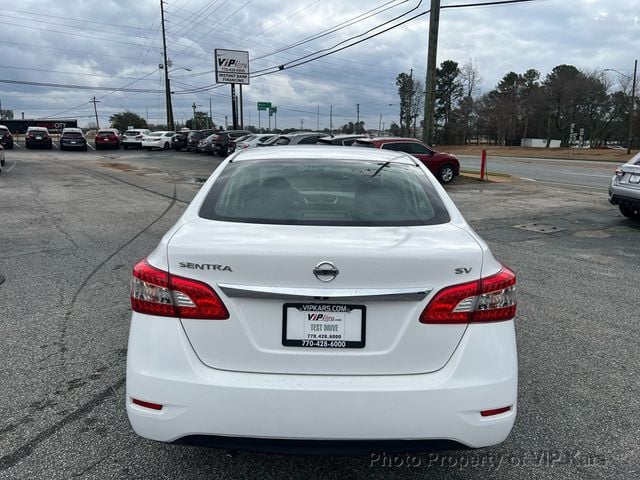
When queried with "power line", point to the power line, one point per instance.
{"points": [[48, 15]]}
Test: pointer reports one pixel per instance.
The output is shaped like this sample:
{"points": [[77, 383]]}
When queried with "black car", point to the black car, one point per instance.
{"points": [[38, 137], [180, 140], [72, 138], [194, 137], [6, 139]]}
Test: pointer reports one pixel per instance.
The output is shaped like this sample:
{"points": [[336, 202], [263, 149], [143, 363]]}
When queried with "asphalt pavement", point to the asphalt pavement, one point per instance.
{"points": [[72, 224]]}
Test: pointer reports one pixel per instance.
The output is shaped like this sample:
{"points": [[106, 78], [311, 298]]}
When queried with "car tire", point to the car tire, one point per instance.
{"points": [[2, 162], [126, 147], [51, 146], [166, 146], [61, 148], [85, 148], [10, 147], [97, 147], [632, 213], [446, 173]]}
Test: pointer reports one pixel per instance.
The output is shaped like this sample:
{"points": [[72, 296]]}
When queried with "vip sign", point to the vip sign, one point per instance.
{"points": [[232, 66]]}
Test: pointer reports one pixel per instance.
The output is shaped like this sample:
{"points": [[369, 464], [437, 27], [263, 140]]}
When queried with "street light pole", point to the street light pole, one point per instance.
{"points": [[633, 104]]}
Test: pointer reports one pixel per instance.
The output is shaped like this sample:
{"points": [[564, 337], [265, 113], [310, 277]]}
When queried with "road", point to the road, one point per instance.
{"points": [[560, 172], [74, 223]]}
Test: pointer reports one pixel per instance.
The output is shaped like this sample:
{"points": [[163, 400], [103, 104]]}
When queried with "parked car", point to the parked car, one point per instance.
{"points": [[133, 138], [38, 137], [443, 165], [6, 139], [2, 160], [160, 139], [305, 302], [233, 142], [180, 139], [72, 138], [344, 140], [194, 138], [303, 138], [205, 145], [108, 138], [252, 141], [624, 189]]}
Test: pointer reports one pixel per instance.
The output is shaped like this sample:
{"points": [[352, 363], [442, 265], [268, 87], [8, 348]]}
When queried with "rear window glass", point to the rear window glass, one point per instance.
{"points": [[324, 192], [132, 132], [72, 134], [106, 132]]}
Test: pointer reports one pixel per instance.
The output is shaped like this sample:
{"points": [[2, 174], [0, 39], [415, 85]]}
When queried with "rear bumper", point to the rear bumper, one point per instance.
{"points": [[618, 196], [227, 406]]}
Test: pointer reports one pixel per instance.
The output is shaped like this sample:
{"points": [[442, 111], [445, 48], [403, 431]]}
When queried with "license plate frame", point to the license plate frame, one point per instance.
{"points": [[296, 322]]}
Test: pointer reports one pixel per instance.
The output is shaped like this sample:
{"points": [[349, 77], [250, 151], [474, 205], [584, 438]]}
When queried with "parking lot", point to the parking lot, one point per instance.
{"points": [[74, 223]]}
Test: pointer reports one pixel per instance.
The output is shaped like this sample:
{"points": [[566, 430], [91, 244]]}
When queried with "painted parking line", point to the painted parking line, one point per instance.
{"points": [[12, 166], [91, 146], [17, 145]]}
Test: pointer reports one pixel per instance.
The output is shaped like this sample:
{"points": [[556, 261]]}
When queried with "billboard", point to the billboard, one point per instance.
{"points": [[232, 66], [54, 126]]}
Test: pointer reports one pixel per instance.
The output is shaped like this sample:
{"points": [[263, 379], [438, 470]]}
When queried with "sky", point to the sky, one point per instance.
{"points": [[111, 45]]}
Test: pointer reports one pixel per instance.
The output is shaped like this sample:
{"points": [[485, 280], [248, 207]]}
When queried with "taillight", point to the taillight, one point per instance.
{"points": [[490, 299], [156, 292], [619, 172]]}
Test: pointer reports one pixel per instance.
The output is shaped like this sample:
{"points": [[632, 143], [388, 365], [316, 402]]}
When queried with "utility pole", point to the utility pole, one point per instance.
{"points": [[331, 120], [210, 113], [633, 104], [409, 102], [302, 124], [167, 85], [380, 125], [355, 127], [430, 81], [95, 109], [318, 125], [194, 125]]}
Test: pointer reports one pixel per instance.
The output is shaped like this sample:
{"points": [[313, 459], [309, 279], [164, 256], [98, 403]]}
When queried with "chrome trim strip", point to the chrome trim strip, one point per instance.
{"points": [[346, 294]]}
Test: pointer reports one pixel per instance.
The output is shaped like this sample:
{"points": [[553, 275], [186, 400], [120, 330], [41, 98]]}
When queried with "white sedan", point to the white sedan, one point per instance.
{"points": [[160, 139], [253, 141], [327, 300]]}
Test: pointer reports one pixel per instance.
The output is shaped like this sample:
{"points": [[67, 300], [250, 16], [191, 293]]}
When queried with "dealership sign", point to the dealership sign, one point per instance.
{"points": [[232, 66]]}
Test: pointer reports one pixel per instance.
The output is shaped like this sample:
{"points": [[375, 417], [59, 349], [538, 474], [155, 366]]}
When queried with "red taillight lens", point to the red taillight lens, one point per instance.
{"points": [[142, 403], [495, 411], [490, 299], [619, 172], [156, 292]]}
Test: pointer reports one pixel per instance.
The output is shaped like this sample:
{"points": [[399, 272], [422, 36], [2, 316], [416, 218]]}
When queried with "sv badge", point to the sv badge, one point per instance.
{"points": [[461, 270]]}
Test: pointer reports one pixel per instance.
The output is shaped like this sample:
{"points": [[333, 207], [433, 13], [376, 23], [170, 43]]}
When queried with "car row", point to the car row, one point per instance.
{"points": [[6, 138]]}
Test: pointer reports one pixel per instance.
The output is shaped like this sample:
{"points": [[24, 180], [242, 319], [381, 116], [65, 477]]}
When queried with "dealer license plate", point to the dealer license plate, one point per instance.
{"points": [[323, 325]]}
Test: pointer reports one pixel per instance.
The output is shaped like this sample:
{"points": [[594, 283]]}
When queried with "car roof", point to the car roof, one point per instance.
{"points": [[390, 139], [315, 152], [37, 128]]}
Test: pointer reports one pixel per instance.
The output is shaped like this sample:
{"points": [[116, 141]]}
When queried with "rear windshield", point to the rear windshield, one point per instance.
{"points": [[132, 133], [72, 134], [324, 192], [106, 132]]}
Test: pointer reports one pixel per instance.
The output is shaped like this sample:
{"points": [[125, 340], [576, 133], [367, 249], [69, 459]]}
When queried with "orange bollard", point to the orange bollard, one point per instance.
{"points": [[483, 165]]}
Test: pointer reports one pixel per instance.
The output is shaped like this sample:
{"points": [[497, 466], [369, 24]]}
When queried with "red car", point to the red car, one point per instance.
{"points": [[443, 165], [107, 138]]}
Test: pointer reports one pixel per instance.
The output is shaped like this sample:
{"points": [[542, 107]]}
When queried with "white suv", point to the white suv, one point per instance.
{"points": [[133, 138]]}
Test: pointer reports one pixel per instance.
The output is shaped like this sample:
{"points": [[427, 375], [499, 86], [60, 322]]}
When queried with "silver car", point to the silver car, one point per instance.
{"points": [[624, 190]]}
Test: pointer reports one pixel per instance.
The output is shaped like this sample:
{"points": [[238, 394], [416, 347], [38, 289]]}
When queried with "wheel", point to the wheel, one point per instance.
{"points": [[446, 173], [632, 213], [148, 149], [85, 148], [51, 146], [27, 146], [97, 147], [166, 146], [2, 163], [61, 148], [126, 147], [10, 146]]}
